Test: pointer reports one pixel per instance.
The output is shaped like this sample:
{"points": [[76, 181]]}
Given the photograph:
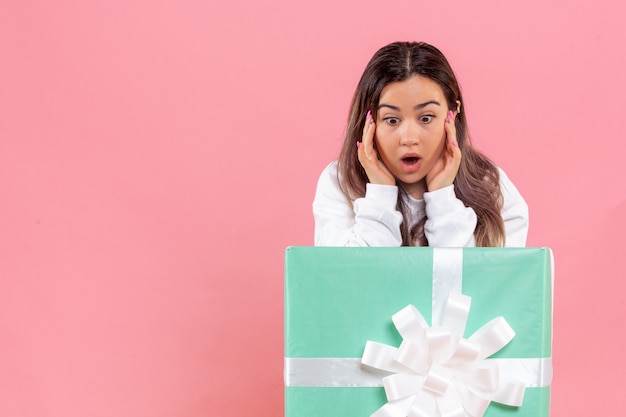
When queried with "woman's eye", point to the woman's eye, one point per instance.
{"points": [[392, 120], [427, 118]]}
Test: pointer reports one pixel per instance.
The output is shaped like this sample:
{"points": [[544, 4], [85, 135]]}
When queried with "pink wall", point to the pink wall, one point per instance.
{"points": [[157, 156]]}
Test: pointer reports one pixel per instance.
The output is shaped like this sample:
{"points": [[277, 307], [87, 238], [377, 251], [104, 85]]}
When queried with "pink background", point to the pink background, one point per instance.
{"points": [[157, 156]]}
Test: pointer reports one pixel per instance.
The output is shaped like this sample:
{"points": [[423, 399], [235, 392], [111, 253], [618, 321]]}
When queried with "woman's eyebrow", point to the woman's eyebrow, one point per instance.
{"points": [[395, 108], [426, 103], [416, 107]]}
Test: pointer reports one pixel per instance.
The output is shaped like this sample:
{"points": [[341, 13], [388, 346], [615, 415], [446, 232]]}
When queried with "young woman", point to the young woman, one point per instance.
{"points": [[407, 174]]}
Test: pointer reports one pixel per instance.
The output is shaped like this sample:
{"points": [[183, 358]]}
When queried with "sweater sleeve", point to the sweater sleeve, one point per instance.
{"points": [[449, 223], [369, 221]]}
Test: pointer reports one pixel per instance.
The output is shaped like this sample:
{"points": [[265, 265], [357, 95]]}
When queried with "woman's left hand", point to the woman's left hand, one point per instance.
{"points": [[445, 169]]}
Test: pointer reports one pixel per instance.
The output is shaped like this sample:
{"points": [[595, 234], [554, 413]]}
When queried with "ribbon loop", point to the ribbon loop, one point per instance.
{"points": [[438, 379], [455, 313], [410, 324], [399, 386], [414, 358], [493, 336], [474, 405], [439, 343], [380, 356], [450, 406], [485, 375], [466, 351], [424, 405]]}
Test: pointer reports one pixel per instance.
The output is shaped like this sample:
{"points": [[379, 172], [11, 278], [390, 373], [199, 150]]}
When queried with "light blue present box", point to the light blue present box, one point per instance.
{"points": [[336, 299]]}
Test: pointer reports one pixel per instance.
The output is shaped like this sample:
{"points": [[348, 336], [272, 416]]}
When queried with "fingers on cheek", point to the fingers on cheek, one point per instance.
{"points": [[367, 132], [367, 128]]}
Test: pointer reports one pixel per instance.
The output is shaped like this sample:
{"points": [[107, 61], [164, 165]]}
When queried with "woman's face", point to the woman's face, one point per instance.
{"points": [[410, 133]]}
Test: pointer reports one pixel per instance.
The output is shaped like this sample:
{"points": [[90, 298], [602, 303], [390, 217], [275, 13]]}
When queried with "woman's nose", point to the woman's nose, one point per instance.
{"points": [[409, 135]]}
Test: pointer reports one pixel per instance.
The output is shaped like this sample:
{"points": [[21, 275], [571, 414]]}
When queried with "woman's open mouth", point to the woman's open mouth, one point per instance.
{"points": [[411, 163]]}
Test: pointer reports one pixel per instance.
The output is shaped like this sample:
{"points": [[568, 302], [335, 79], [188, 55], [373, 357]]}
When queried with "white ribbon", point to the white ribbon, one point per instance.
{"points": [[447, 278], [435, 368], [348, 372]]}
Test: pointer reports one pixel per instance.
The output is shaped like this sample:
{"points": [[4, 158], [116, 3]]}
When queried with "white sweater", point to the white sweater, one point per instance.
{"points": [[374, 221]]}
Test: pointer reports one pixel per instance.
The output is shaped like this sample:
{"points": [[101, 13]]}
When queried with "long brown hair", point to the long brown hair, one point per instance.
{"points": [[477, 183]]}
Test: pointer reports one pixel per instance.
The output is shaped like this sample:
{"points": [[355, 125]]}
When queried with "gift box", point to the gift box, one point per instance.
{"points": [[338, 299]]}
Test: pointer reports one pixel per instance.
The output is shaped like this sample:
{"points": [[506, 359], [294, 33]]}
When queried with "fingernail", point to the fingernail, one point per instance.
{"points": [[454, 143], [367, 116], [358, 145], [451, 115]]}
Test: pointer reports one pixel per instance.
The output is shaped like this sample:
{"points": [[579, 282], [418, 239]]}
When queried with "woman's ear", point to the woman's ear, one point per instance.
{"points": [[458, 107]]}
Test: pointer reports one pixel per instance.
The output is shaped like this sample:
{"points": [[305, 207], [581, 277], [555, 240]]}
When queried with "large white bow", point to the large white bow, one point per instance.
{"points": [[436, 371]]}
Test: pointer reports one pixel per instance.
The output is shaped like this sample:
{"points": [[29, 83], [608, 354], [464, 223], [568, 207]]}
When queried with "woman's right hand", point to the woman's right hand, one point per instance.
{"points": [[376, 171]]}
